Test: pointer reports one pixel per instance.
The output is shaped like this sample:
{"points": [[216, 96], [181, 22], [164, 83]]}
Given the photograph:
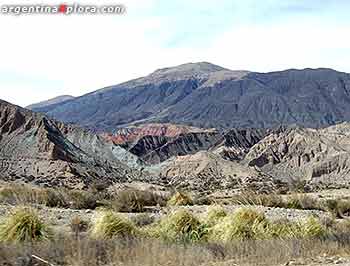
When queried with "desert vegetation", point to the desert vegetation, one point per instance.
{"points": [[136, 227], [129, 200], [24, 225], [180, 238]]}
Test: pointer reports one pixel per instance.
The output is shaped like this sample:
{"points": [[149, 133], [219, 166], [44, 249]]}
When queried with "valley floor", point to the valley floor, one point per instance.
{"points": [[326, 241]]}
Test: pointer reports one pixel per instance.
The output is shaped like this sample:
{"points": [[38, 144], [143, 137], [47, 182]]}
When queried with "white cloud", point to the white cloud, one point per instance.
{"points": [[290, 45]]}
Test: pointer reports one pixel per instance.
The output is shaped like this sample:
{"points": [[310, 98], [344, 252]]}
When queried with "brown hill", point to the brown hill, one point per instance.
{"points": [[318, 157], [36, 149], [205, 171]]}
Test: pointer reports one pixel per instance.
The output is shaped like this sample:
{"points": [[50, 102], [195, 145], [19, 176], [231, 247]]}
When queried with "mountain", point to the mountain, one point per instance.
{"points": [[206, 95], [50, 104], [43, 151], [36, 149]]}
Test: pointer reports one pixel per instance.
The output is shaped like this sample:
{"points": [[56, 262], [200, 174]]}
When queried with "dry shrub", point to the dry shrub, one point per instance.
{"points": [[56, 198], [61, 198], [132, 200], [24, 225], [302, 202], [340, 208], [124, 201], [82, 199], [294, 201], [203, 200], [22, 194], [252, 198], [78, 225], [180, 199], [152, 252]]}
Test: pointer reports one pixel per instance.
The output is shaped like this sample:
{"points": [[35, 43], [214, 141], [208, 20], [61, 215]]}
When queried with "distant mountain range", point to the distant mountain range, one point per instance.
{"points": [[196, 126], [209, 96], [43, 151]]}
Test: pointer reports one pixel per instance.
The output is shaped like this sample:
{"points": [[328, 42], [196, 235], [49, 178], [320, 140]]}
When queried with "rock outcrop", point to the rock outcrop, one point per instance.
{"points": [[236, 143], [36, 149], [129, 135], [319, 157]]}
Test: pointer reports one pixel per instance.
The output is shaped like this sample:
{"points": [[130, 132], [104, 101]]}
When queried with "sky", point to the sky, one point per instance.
{"points": [[43, 56]]}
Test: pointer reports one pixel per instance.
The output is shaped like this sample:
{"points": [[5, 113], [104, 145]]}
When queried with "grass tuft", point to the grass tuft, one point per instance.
{"points": [[215, 215], [244, 223], [24, 225], [108, 225], [181, 226]]}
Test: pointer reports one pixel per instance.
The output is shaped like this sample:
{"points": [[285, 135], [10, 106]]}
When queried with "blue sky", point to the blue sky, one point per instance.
{"points": [[45, 56]]}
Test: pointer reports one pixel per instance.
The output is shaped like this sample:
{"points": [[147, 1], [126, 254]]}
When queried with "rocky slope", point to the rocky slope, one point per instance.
{"points": [[39, 150], [207, 95], [50, 104], [152, 149], [320, 157], [155, 143], [36, 149], [132, 134], [236, 143], [296, 155], [205, 171]]}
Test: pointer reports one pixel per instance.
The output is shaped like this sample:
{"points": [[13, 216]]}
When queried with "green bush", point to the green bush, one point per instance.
{"points": [[310, 228], [24, 225]]}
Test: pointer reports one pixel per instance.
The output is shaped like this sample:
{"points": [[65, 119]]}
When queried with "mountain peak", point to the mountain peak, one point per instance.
{"points": [[190, 68]]}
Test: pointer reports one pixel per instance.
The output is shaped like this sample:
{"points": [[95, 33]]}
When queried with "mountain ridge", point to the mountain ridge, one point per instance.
{"points": [[52, 101], [36, 149], [208, 96]]}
